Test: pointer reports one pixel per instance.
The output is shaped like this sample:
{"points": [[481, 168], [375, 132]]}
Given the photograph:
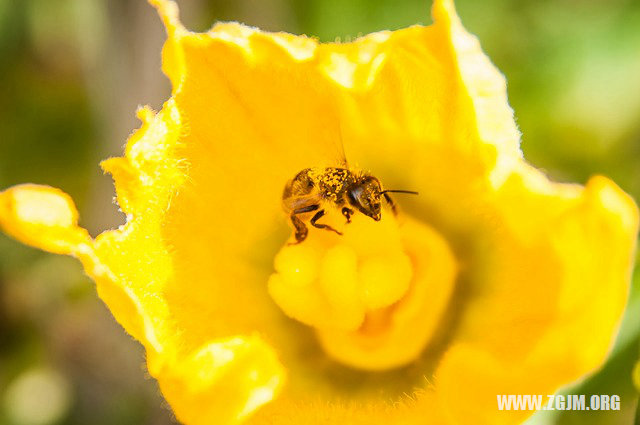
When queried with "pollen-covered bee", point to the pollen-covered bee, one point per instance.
{"points": [[314, 189]]}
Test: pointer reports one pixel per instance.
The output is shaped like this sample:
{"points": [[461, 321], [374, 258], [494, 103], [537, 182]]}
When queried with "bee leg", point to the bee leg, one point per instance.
{"points": [[322, 226], [301, 228], [392, 204], [347, 212]]}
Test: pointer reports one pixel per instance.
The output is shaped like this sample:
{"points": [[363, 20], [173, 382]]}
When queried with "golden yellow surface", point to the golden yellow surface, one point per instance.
{"points": [[494, 280]]}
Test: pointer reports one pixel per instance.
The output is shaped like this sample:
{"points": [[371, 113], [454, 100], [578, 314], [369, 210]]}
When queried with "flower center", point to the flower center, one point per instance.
{"points": [[375, 295]]}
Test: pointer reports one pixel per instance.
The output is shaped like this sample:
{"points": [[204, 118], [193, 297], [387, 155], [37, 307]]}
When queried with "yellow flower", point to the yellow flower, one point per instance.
{"points": [[493, 280]]}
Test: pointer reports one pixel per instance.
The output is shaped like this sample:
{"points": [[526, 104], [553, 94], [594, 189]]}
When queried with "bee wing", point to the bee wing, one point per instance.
{"points": [[338, 143], [296, 202], [331, 151]]}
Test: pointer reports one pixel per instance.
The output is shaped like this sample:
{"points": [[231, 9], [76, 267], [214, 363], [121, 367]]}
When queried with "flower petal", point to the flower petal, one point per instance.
{"points": [[554, 288], [42, 216], [132, 266], [147, 182], [223, 382]]}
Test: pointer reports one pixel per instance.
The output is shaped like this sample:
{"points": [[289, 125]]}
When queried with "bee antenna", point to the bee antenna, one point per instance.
{"points": [[411, 192]]}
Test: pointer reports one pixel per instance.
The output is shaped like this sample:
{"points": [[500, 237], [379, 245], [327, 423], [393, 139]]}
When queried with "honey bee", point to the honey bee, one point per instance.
{"points": [[314, 189]]}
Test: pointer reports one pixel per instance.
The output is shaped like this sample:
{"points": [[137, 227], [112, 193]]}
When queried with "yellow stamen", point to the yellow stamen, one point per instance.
{"points": [[365, 292]]}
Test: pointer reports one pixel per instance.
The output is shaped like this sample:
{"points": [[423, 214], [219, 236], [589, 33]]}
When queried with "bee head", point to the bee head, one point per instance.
{"points": [[365, 196]]}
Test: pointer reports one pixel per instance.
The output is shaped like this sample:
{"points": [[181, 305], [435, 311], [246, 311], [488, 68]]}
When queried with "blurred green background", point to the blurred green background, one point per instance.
{"points": [[72, 73]]}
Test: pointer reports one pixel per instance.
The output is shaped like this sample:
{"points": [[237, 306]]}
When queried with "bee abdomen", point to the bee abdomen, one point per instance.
{"points": [[302, 184]]}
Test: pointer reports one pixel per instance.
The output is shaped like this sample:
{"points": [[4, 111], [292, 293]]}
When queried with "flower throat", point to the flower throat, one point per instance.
{"points": [[360, 277]]}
